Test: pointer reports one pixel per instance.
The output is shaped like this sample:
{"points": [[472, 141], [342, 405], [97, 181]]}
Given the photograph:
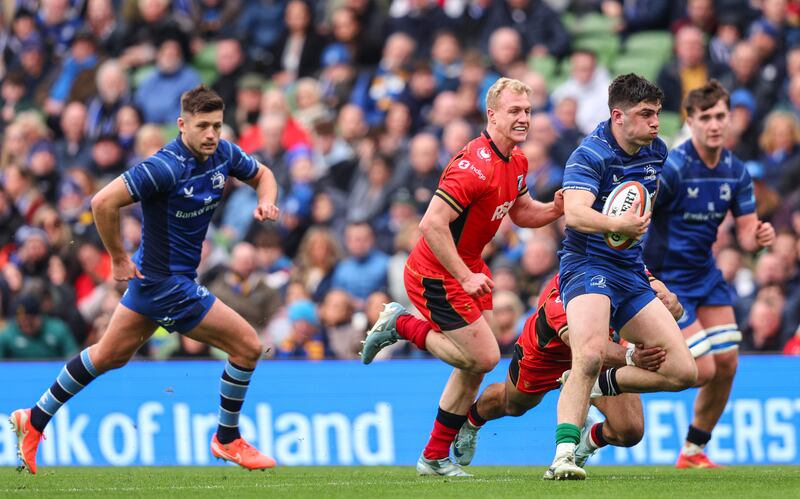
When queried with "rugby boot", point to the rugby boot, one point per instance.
{"points": [[28, 439], [699, 460], [465, 443], [383, 333], [586, 447], [241, 453], [440, 467], [564, 468]]}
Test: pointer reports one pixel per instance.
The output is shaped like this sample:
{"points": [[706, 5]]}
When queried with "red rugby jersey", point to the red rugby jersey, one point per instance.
{"points": [[481, 185]]}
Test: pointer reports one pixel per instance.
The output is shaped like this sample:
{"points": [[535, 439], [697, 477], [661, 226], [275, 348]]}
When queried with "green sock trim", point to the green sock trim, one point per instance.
{"points": [[567, 434]]}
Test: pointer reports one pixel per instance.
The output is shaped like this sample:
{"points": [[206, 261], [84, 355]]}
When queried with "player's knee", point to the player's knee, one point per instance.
{"points": [[705, 373], [515, 410], [726, 367], [588, 363], [252, 349], [485, 362], [683, 377], [632, 434]]}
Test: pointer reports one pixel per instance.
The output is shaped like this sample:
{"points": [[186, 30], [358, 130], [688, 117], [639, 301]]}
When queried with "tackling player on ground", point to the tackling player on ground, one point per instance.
{"points": [[445, 277], [540, 356], [601, 286], [701, 182], [179, 188]]}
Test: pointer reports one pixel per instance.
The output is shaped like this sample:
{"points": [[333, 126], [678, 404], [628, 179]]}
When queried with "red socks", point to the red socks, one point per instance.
{"points": [[445, 429], [413, 329]]}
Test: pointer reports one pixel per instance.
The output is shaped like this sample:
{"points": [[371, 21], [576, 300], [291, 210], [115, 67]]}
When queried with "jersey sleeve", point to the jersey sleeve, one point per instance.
{"points": [[243, 166], [744, 201], [461, 183], [153, 177], [669, 182], [584, 170]]}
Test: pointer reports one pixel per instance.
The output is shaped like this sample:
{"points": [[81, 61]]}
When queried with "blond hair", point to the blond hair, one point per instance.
{"points": [[774, 120], [495, 90]]}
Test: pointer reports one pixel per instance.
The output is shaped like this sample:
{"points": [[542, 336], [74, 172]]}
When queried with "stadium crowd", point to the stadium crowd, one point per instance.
{"points": [[356, 106]]}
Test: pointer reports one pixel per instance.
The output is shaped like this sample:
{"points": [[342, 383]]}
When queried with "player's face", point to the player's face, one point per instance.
{"points": [[639, 124], [201, 132], [512, 118], [710, 127]]}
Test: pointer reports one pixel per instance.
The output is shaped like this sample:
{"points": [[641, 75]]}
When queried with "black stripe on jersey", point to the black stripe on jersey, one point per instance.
{"points": [[544, 332], [513, 368], [450, 200], [457, 226], [494, 147], [442, 312]]}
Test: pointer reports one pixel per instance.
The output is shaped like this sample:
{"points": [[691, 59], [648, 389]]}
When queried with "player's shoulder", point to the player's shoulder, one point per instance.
{"points": [[680, 157], [659, 148], [595, 147], [172, 156]]}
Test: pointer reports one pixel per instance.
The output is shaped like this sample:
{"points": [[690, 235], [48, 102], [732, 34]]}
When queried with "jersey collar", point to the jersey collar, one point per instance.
{"points": [[494, 147], [612, 141]]}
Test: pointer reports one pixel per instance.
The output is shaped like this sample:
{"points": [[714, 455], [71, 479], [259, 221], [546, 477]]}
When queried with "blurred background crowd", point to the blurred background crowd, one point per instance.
{"points": [[356, 106]]}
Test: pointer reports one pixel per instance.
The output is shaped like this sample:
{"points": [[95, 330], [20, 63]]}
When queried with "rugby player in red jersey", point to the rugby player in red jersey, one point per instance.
{"points": [[541, 355], [445, 277]]}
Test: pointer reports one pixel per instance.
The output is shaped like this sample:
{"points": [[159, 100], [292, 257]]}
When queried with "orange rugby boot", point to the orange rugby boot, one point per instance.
{"points": [[241, 453], [28, 439], [699, 460]]}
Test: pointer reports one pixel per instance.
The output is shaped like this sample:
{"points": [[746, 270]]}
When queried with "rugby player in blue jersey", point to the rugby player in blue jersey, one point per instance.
{"points": [[179, 188], [602, 286], [701, 182]]}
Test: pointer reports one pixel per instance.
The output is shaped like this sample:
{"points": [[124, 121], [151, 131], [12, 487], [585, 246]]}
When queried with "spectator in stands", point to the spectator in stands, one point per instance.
{"points": [[74, 76], [42, 165], [372, 28], [687, 70], [418, 95], [308, 104], [540, 28], [699, 13], [34, 70], [507, 311], [544, 176], [505, 50], [446, 60], [169, 81], [32, 335], [153, 23], [742, 137], [538, 264], [12, 98], [10, 222], [338, 75], [363, 271], [58, 24], [102, 23], [780, 145], [423, 177], [108, 160], [243, 287], [74, 148], [543, 131], [336, 316], [230, 67], [747, 73], [305, 339], [455, 136], [112, 94], [247, 107], [374, 91], [640, 15], [296, 53], [33, 252], [316, 259], [23, 33], [369, 195], [95, 268], [18, 184], [333, 157], [214, 17], [762, 332], [588, 85], [129, 123], [421, 20], [727, 35]]}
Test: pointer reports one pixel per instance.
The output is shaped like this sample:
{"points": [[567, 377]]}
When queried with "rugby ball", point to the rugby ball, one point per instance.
{"points": [[618, 202]]}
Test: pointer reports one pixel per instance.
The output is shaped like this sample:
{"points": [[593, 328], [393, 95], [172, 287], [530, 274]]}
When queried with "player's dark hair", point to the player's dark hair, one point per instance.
{"points": [[630, 89], [201, 99], [706, 97]]}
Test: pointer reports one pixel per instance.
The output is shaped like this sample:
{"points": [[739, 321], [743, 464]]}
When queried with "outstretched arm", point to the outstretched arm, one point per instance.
{"points": [[527, 212], [267, 189]]}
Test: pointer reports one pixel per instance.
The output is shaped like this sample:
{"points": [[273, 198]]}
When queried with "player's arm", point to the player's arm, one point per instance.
{"points": [[753, 234], [580, 216], [527, 212], [435, 228], [619, 356], [267, 189], [105, 209]]}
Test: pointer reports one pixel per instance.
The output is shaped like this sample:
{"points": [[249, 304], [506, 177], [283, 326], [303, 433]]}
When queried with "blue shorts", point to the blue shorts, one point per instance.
{"points": [[176, 303], [707, 289], [628, 289]]}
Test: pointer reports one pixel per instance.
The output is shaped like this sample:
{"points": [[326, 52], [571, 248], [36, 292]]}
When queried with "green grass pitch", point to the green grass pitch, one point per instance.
{"points": [[383, 482]]}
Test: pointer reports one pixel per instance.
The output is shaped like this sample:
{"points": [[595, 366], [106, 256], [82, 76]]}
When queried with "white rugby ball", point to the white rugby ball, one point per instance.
{"points": [[618, 202]]}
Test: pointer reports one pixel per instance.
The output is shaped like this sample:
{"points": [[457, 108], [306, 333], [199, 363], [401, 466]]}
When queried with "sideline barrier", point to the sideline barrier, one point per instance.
{"points": [[344, 413]]}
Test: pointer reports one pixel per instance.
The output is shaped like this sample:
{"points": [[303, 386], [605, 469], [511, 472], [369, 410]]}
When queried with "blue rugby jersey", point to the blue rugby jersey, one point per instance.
{"points": [[599, 165], [693, 201], [179, 196]]}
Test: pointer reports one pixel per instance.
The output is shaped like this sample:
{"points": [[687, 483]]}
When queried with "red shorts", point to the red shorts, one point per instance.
{"points": [[533, 372], [440, 298]]}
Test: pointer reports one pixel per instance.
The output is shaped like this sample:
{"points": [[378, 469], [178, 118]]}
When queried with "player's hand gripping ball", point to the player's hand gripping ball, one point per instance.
{"points": [[618, 202]]}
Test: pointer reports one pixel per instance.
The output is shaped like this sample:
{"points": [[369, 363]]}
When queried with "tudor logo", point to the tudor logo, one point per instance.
{"points": [[484, 153]]}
